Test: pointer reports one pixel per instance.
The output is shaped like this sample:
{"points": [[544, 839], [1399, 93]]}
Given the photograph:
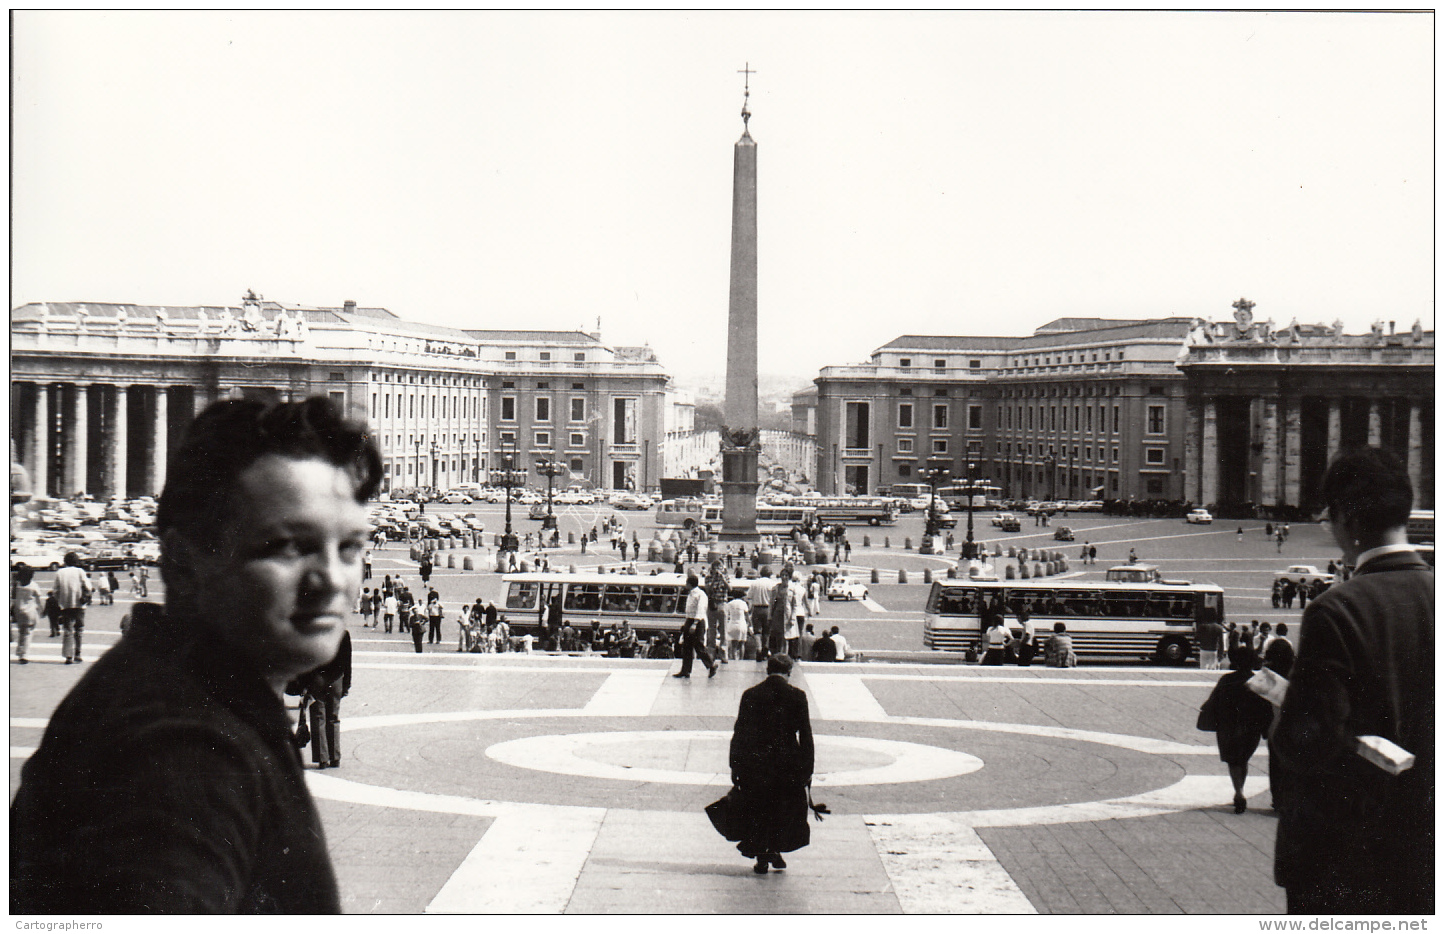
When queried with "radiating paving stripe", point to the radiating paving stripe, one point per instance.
{"points": [[842, 697], [527, 862], [627, 694], [938, 866]]}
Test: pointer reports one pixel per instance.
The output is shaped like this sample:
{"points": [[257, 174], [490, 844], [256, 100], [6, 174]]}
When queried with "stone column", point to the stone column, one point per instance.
{"points": [[80, 441], [159, 441], [1335, 428], [1269, 465], [1208, 492], [1192, 462], [1416, 452], [39, 455], [1376, 425], [119, 437], [740, 452], [1293, 446]]}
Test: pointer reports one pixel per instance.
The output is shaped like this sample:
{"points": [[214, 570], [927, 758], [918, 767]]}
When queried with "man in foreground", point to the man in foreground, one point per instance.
{"points": [[771, 756], [167, 780]]}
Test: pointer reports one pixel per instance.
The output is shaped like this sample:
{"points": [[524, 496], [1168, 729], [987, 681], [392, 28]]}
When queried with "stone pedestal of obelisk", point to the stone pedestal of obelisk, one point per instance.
{"points": [[739, 443]]}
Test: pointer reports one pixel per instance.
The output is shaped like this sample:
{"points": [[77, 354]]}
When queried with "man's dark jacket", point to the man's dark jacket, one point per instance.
{"points": [[1365, 666], [167, 782]]}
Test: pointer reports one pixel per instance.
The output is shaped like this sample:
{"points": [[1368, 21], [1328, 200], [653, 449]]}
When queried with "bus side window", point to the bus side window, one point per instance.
{"points": [[620, 598], [584, 597], [958, 603], [521, 595], [657, 599]]}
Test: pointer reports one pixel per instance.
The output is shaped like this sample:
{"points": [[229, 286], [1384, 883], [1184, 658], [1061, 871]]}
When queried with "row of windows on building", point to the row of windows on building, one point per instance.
{"points": [[1028, 418]]}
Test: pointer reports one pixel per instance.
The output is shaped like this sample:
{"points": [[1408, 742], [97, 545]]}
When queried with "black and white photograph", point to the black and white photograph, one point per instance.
{"points": [[918, 463]]}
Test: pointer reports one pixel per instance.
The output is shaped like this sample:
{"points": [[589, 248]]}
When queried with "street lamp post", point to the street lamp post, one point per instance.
{"points": [[935, 472], [969, 548], [416, 478], [504, 475], [1052, 461], [435, 448], [548, 469]]}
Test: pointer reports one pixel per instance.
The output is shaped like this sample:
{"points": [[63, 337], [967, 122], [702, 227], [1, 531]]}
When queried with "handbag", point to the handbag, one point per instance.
{"points": [[724, 813], [1208, 715]]}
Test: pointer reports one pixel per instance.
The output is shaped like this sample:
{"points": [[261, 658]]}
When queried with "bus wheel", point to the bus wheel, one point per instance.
{"points": [[689, 524], [874, 520], [1173, 651]]}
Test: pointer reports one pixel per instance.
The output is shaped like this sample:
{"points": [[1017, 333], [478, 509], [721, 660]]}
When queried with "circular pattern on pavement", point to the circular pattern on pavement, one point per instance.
{"points": [[689, 757]]}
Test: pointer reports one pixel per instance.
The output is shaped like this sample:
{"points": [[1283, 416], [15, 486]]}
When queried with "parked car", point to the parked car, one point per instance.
{"points": [[630, 501], [456, 498], [846, 588], [1003, 517], [1063, 534], [108, 559], [537, 511], [37, 557], [1044, 509], [1199, 517], [1010, 524]]}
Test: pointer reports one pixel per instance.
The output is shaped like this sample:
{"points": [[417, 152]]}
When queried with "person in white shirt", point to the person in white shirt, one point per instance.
{"points": [[693, 629], [735, 615], [840, 643]]}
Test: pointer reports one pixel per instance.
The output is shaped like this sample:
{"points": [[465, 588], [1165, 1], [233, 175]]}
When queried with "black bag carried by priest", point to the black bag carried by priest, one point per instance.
{"points": [[724, 815]]}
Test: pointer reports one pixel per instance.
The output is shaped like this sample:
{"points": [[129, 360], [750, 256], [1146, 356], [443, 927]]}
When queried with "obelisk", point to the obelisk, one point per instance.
{"points": [[739, 410]]}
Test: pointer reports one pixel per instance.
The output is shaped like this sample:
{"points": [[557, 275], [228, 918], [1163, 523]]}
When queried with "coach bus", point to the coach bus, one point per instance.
{"points": [[1104, 618], [689, 514], [1420, 530], [651, 603], [855, 511], [983, 492]]}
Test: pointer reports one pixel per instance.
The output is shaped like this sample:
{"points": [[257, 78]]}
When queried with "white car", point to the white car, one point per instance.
{"points": [[1199, 517], [1001, 519], [1306, 571], [456, 498], [847, 589], [40, 558]]}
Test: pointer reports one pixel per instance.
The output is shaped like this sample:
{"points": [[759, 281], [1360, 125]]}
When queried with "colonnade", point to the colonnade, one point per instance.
{"points": [[1282, 461], [106, 439]]}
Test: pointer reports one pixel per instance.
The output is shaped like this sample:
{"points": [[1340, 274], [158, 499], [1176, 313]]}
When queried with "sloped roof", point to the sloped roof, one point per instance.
{"points": [[1161, 328], [1086, 324], [941, 342], [558, 337]]}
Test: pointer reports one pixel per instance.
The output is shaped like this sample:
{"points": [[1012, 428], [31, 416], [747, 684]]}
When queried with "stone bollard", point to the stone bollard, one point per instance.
{"points": [[902, 575], [467, 564], [927, 575], [451, 561], [1037, 569], [1050, 568], [952, 573], [1062, 565], [1022, 571], [875, 578], [886, 542], [571, 538], [572, 569], [907, 544], [1009, 573], [866, 542]]}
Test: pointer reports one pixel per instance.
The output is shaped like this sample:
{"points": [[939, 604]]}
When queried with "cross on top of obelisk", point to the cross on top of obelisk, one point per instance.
{"points": [[746, 74]]}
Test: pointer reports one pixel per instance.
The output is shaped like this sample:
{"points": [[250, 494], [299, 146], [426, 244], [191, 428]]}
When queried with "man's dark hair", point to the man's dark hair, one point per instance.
{"points": [[1059, 627], [72, 559], [691, 580], [779, 664], [1369, 486], [1283, 629], [23, 573], [232, 434]]}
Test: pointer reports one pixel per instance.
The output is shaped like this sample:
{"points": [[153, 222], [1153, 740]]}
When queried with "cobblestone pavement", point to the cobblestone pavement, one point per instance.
{"points": [[553, 784]]}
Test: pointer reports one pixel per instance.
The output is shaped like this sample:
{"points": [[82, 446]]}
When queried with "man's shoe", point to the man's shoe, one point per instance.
{"points": [[1240, 804], [24, 661], [70, 661], [680, 675], [712, 672], [335, 763], [777, 861], [761, 867], [78, 659]]}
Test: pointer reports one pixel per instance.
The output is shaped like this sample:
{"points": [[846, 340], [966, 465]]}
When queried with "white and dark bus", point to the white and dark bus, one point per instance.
{"points": [[651, 603], [983, 493], [855, 511], [1154, 620], [689, 514]]}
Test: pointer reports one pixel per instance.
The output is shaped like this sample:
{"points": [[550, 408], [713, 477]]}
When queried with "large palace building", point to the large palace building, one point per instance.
{"points": [[1234, 415], [100, 392]]}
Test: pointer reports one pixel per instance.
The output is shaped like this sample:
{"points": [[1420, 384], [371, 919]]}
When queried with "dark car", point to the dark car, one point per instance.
{"points": [[1010, 524], [1063, 534], [109, 561]]}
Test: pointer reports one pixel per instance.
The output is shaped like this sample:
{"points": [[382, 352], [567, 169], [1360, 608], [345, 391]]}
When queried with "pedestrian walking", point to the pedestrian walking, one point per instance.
{"points": [[25, 604], [1351, 836], [771, 758], [417, 626], [692, 630], [72, 594], [1238, 719], [996, 641], [321, 690], [433, 618]]}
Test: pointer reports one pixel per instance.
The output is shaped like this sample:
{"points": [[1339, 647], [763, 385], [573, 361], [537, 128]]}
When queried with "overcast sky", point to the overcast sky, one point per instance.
{"points": [[936, 173]]}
